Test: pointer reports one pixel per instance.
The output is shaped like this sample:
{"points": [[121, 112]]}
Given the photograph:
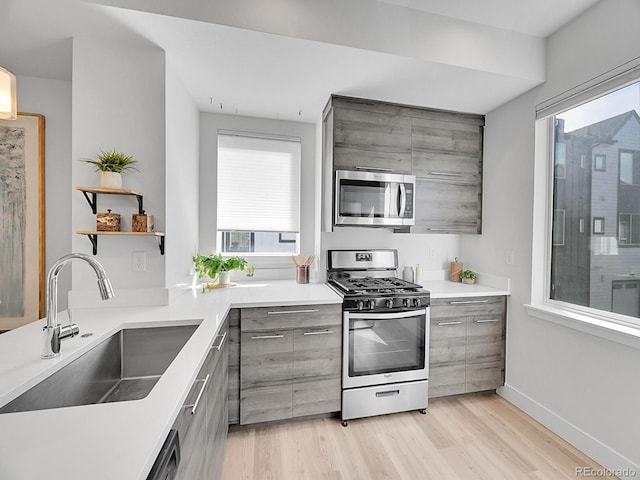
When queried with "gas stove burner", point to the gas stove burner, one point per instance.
{"points": [[372, 284]]}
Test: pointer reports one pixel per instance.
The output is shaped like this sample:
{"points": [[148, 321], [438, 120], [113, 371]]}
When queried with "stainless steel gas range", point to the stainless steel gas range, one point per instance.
{"points": [[385, 366]]}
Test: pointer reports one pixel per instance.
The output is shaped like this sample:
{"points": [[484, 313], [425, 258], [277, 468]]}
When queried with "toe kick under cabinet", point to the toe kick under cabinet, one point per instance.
{"points": [[467, 344], [289, 363]]}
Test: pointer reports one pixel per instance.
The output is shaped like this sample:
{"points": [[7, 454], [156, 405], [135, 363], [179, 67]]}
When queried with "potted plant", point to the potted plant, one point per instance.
{"points": [[469, 276], [217, 267], [111, 164]]}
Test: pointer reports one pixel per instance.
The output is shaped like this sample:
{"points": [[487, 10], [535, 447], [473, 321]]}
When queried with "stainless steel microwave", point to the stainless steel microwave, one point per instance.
{"points": [[374, 199]]}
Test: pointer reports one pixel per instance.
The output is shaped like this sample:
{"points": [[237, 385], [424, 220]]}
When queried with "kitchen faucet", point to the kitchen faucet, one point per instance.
{"points": [[54, 333]]}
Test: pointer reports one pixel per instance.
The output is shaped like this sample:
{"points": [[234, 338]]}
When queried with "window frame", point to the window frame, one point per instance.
{"points": [[613, 326], [596, 157], [633, 153]]}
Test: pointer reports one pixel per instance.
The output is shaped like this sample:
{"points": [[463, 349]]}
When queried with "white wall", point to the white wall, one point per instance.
{"points": [[52, 98], [182, 169], [119, 102], [210, 123], [583, 387]]}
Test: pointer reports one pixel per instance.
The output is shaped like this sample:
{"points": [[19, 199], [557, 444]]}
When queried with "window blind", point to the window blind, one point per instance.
{"points": [[618, 77], [258, 183]]}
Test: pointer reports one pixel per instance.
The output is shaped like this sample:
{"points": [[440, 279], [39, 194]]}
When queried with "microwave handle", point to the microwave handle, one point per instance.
{"points": [[403, 199]]}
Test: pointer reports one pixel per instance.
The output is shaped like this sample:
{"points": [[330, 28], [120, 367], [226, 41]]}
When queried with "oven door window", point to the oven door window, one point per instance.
{"points": [[365, 199], [378, 346]]}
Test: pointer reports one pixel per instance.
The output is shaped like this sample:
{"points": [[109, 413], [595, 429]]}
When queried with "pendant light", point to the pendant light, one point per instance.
{"points": [[8, 99]]}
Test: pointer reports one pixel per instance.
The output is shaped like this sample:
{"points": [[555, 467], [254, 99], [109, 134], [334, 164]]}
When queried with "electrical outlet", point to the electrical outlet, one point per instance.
{"points": [[511, 257], [139, 261], [432, 252]]}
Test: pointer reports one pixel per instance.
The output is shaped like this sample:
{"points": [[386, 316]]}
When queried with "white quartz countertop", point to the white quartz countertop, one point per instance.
{"points": [[447, 289], [117, 440]]}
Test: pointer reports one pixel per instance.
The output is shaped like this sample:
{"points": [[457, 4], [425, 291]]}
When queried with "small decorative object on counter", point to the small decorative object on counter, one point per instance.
{"points": [[108, 222], [456, 271], [111, 164], [302, 267], [141, 222], [469, 276], [407, 274]]}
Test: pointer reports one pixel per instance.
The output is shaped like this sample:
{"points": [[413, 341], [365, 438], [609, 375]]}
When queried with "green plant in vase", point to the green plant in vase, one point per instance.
{"points": [[469, 276], [217, 267], [111, 164]]}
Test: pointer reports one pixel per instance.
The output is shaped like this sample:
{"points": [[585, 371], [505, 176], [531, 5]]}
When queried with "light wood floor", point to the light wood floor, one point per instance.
{"points": [[469, 437]]}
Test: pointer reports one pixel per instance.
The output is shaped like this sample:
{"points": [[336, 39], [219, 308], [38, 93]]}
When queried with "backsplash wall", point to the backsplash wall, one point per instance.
{"points": [[431, 251]]}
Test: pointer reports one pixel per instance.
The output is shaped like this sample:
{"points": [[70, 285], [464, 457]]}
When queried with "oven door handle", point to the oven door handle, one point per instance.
{"points": [[382, 316]]}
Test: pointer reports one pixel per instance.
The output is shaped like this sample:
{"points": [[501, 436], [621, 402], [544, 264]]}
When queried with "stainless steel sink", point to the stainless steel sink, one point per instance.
{"points": [[125, 366]]}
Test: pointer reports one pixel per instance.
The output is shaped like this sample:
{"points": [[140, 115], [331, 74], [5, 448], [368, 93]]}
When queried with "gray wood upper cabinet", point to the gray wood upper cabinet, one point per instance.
{"points": [[466, 347], [371, 140], [290, 361], [447, 163], [443, 149]]}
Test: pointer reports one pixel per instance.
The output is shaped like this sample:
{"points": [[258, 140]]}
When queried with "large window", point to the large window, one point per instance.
{"points": [[258, 195], [590, 266]]}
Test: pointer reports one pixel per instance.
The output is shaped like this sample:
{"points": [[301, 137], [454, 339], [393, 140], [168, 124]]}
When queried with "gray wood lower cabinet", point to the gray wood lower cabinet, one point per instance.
{"points": [[290, 361], [467, 342], [202, 423], [234, 366]]}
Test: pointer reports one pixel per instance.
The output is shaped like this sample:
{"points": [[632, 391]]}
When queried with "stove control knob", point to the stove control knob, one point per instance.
{"points": [[389, 302], [416, 302], [372, 304], [359, 304], [407, 302]]}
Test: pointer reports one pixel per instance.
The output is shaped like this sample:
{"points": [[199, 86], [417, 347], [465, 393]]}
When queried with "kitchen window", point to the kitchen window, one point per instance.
{"points": [[586, 265], [258, 194]]}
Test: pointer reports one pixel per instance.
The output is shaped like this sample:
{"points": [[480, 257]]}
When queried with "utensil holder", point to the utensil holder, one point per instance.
{"points": [[302, 274]]}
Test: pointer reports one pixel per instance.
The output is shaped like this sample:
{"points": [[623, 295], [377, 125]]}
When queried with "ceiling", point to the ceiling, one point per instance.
{"points": [[534, 17], [275, 73]]}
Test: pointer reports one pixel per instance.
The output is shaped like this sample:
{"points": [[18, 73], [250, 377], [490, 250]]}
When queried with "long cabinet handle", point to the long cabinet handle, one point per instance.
{"points": [[466, 302], [450, 323], [374, 169], [222, 339], [439, 229], [490, 320], [267, 337], [323, 332], [446, 174], [194, 407], [284, 312]]}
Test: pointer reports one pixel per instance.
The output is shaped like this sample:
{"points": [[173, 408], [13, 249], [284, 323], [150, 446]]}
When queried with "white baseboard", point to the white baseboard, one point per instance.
{"points": [[590, 446]]}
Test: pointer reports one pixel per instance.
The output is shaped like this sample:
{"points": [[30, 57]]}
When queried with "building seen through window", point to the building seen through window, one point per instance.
{"points": [[595, 253]]}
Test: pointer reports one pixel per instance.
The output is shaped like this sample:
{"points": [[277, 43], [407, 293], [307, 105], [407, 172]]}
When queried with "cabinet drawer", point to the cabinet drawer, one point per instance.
{"points": [[316, 396], [317, 351], [266, 357], [266, 403], [466, 306], [268, 318]]}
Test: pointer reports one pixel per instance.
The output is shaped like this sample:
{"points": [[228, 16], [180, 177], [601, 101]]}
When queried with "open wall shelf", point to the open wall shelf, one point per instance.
{"points": [[91, 194]]}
